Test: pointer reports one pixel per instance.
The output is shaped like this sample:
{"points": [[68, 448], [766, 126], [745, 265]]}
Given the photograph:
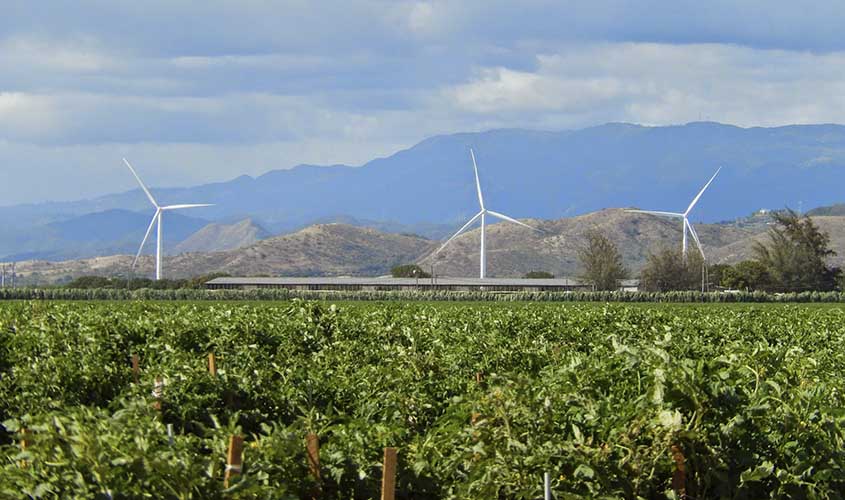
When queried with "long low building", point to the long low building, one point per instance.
{"points": [[371, 284]]}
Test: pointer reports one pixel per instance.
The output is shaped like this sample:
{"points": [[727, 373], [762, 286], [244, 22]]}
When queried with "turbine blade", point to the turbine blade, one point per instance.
{"points": [[695, 237], [147, 191], [477, 182], [177, 207], [694, 201], [461, 230], [144, 241], [655, 212], [510, 219]]}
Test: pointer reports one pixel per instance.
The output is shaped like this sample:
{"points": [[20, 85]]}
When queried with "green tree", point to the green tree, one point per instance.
{"points": [[746, 275], [538, 275], [91, 282], [601, 261], [795, 257], [409, 271], [716, 272], [667, 269]]}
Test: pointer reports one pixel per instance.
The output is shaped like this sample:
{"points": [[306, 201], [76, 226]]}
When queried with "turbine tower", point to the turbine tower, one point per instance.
{"points": [[684, 216], [157, 220], [482, 215]]}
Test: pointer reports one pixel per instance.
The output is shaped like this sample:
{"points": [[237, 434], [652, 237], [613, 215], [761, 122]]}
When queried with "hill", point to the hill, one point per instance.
{"points": [[513, 251], [321, 250], [219, 237]]}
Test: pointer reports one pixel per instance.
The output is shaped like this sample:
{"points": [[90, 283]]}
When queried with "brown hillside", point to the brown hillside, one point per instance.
{"points": [[512, 251]]}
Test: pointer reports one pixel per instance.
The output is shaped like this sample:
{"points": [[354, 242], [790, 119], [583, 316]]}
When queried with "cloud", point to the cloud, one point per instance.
{"points": [[661, 84], [253, 85], [78, 55]]}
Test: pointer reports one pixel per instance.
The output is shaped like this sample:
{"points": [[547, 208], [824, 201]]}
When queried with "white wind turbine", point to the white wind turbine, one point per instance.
{"points": [[157, 219], [482, 214], [684, 216]]}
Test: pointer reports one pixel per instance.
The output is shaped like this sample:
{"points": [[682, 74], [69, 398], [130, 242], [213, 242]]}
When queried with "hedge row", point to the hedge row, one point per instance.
{"points": [[477, 296]]}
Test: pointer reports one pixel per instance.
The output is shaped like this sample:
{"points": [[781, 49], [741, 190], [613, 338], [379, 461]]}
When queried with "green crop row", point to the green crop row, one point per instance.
{"points": [[480, 400], [422, 295]]}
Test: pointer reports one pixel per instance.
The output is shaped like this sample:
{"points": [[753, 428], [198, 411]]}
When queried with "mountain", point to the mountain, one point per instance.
{"points": [[430, 231], [100, 233], [837, 209], [544, 175], [218, 237]]}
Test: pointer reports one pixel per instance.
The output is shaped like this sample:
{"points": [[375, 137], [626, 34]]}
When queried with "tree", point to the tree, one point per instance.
{"points": [[746, 275], [91, 282], [538, 275], [409, 271], [716, 272], [795, 257], [667, 269], [601, 261]]}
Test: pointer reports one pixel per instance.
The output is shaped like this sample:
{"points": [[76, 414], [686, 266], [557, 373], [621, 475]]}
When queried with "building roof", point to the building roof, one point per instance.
{"points": [[555, 282], [389, 281]]}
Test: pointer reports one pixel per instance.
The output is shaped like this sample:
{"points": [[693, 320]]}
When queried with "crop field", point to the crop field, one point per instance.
{"points": [[479, 400]]}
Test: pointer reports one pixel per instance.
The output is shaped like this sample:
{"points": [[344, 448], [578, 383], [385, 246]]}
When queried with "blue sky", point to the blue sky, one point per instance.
{"points": [[194, 92]]}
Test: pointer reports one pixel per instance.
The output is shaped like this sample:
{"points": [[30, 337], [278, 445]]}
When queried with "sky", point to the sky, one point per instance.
{"points": [[195, 92]]}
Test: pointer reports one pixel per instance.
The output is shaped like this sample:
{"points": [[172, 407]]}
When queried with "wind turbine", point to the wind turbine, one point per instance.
{"points": [[157, 219], [482, 215], [684, 216]]}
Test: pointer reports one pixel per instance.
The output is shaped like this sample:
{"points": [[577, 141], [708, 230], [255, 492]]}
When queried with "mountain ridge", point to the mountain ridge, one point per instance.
{"points": [[524, 173]]}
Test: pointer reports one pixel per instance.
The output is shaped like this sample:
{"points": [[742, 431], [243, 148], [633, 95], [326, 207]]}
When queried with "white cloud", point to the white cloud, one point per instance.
{"points": [[660, 84], [77, 54], [25, 115], [501, 89], [253, 85]]}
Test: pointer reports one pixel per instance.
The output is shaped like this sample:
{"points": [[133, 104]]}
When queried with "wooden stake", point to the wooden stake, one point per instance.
{"points": [[158, 390], [312, 444], [212, 365], [234, 459], [388, 475], [24, 444], [478, 377], [679, 478], [136, 367]]}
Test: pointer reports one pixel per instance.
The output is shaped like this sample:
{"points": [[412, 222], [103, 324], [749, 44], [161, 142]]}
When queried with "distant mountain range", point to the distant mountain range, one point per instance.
{"points": [[99, 233], [428, 189]]}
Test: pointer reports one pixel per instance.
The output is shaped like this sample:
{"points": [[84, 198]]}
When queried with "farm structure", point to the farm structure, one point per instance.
{"points": [[380, 284]]}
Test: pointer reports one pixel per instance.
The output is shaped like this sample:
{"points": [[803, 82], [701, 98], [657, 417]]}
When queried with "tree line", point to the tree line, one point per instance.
{"points": [[792, 258], [119, 283]]}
